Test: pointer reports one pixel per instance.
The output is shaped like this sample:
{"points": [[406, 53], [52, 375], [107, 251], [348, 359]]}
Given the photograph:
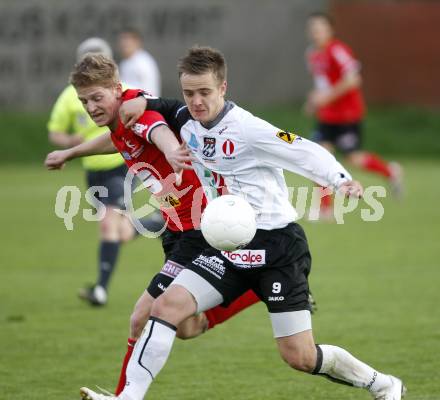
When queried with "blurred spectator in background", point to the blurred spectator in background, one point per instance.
{"points": [[138, 68], [69, 125], [338, 104]]}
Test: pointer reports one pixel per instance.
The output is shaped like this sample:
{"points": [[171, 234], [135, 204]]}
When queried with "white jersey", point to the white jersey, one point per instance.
{"points": [[250, 154], [141, 71]]}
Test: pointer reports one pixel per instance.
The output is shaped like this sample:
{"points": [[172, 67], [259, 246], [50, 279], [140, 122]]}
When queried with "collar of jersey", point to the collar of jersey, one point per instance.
{"points": [[229, 105]]}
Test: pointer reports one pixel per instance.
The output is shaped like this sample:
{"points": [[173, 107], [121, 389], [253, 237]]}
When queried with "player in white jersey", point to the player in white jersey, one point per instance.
{"points": [[250, 154]]}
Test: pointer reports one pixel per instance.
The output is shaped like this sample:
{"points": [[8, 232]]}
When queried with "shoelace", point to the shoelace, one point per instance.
{"points": [[105, 391]]}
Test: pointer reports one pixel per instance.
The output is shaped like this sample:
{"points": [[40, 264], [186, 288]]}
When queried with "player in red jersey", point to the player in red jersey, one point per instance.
{"points": [[338, 104], [96, 81]]}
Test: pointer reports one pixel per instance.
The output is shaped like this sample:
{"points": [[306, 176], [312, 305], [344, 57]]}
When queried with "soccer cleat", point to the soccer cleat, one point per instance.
{"points": [[396, 180], [96, 295], [396, 391], [89, 394]]}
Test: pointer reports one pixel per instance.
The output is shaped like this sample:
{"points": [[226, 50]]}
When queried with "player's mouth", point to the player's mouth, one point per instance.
{"points": [[98, 117], [199, 113]]}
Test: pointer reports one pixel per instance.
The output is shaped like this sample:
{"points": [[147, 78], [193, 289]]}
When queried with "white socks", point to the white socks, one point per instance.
{"points": [[153, 348], [149, 356], [340, 366]]}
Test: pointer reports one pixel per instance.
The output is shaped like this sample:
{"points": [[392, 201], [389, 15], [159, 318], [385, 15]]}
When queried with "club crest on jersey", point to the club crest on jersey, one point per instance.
{"points": [[139, 129], [228, 148], [208, 147], [287, 136]]}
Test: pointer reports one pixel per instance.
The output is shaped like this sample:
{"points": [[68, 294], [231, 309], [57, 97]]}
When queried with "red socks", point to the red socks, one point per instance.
{"points": [[219, 314], [373, 163], [326, 199], [122, 377]]}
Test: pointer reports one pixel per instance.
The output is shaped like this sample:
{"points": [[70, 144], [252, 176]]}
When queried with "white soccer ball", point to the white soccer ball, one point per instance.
{"points": [[228, 223]]}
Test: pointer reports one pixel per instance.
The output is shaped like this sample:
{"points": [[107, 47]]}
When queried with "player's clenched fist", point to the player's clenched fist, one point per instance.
{"points": [[352, 189], [56, 159]]}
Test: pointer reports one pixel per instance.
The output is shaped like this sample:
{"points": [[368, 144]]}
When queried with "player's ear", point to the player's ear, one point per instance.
{"points": [[119, 90], [223, 87]]}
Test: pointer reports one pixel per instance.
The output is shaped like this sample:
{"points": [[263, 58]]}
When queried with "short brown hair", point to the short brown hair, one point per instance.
{"points": [[94, 69], [132, 32], [201, 60], [321, 15]]}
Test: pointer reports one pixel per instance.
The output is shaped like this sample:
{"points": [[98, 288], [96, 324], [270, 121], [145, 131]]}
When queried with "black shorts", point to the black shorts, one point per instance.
{"points": [[275, 265], [179, 249], [113, 180], [345, 137]]}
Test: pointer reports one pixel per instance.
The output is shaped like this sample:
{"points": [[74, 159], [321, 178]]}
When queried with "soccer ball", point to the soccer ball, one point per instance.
{"points": [[228, 223]]}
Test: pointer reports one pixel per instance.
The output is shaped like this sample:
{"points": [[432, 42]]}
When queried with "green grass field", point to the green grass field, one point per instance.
{"points": [[376, 285]]}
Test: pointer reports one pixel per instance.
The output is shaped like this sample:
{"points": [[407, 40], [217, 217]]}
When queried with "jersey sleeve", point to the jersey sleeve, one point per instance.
{"points": [[280, 149], [343, 57], [174, 111], [60, 119], [146, 124]]}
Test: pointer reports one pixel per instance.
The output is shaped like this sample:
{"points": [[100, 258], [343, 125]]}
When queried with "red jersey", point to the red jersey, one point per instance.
{"points": [[181, 206], [328, 65]]}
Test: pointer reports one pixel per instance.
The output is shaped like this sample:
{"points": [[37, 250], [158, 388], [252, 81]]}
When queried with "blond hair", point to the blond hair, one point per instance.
{"points": [[94, 70], [201, 60]]}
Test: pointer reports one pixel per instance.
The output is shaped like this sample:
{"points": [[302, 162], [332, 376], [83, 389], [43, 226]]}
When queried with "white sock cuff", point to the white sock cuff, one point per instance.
{"points": [[328, 354]]}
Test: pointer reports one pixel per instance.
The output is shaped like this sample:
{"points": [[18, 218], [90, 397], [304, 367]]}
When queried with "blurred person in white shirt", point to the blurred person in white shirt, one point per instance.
{"points": [[137, 68]]}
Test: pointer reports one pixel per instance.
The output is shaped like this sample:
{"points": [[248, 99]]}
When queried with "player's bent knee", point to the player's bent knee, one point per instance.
{"points": [[300, 360], [109, 225], [108, 230], [298, 348], [126, 230], [175, 305]]}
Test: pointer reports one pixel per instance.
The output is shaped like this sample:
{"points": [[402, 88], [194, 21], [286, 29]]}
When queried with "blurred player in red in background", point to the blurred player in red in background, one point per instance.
{"points": [[96, 81], [338, 104]]}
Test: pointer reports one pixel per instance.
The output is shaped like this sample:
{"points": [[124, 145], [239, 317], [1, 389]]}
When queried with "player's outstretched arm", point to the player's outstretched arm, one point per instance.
{"points": [[101, 145], [289, 151], [64, 140], [177, 154]]}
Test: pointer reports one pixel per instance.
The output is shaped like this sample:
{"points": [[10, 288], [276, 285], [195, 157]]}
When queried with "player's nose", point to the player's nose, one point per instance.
{"points": [[91, 107], [197, 100]]}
